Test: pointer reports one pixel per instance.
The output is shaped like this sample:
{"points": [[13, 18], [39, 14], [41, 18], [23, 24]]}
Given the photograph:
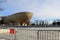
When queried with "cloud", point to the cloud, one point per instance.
{"points": [[42, 9], [49, 10]]}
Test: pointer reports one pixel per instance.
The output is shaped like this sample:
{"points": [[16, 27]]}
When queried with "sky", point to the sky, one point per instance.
{"points": [[41, 9]]}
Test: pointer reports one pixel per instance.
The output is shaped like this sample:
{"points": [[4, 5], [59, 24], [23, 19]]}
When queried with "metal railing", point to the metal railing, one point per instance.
{"points": [[31, 34], [48, 35], [34, 34], [26, 34]]}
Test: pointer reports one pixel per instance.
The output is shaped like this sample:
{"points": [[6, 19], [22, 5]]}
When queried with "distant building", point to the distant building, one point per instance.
{"points": [[17, 19], [56, 22]]}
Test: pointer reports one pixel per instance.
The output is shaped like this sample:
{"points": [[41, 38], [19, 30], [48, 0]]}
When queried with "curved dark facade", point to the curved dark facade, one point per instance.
{"points": [[17, 18]]}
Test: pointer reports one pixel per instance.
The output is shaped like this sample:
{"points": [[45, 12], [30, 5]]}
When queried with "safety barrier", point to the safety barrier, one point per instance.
{"points": [[30, 33], [4, 34], [49, 35], [26, 34]]}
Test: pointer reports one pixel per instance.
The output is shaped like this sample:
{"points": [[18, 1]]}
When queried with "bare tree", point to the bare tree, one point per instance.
{"points": [[36, 22]]}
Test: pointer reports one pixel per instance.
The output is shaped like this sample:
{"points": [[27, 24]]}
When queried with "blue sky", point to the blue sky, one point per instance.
{"points": [[42, 9]]}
